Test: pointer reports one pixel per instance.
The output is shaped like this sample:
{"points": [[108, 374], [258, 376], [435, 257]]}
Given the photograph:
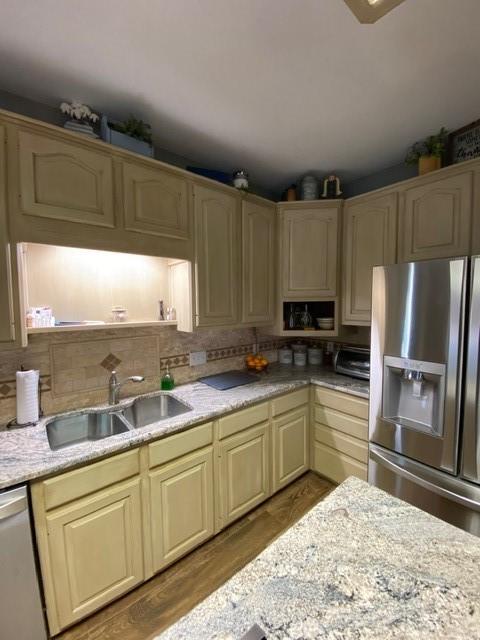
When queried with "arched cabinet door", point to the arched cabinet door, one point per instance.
{"points": [[436, 220], [217, 248], [63, 180], [370, 240]]}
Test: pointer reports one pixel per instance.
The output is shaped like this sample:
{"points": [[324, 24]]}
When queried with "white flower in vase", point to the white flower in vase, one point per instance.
{"points": [[81, 117]]}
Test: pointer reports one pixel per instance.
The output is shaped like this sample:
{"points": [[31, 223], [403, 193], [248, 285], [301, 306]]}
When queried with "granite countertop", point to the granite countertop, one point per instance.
{"points": [[25, 453], [360, 565]]}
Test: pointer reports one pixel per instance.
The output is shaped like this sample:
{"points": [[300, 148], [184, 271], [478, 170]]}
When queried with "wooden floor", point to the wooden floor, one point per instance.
{"points": [[155, 605]]}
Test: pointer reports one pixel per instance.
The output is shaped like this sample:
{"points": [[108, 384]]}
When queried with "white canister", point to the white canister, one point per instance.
{"points": [[285, 355], [315, 355], [300, 359], [299, 347]]}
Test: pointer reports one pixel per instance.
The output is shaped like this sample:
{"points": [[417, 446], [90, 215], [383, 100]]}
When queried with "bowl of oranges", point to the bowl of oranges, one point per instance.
{"points": [[256, 362]]}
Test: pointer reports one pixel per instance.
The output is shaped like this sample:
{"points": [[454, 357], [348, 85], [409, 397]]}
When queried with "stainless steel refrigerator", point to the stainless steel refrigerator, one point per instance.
{"points": [[424, 423]]}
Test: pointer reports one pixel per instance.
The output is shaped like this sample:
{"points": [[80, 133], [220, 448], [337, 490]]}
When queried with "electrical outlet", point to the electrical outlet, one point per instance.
{"points": [[197, 358]]}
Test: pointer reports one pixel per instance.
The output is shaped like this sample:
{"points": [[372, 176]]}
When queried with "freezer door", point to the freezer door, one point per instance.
{"points": [[21, 613], [418, 311], [471, 420]]}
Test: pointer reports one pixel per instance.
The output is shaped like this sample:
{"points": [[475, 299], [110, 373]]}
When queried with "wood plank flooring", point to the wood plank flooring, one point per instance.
{"points": [[155, 605]]}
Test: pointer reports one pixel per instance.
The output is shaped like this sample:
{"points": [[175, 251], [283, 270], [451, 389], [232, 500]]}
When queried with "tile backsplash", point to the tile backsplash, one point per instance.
{"points": [[75, 366]]}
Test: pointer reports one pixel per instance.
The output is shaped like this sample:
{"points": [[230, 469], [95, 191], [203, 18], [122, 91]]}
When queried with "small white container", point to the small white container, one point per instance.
{"points": [[300, 359], [315, 355], [285, 355]]}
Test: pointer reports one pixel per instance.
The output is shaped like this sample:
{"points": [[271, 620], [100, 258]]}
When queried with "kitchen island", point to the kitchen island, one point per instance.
{"points": [[360, 565]]}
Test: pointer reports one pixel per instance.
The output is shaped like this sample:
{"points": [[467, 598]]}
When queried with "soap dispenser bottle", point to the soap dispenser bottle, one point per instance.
{"points": [[167, 382]]}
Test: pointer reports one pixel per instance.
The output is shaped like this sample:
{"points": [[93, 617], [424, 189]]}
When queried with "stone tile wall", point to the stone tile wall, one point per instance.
{"points": [[75, 366]]}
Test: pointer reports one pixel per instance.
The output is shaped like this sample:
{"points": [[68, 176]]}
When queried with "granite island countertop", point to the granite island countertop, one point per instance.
{"points": [[361, 565], [26, 455]]}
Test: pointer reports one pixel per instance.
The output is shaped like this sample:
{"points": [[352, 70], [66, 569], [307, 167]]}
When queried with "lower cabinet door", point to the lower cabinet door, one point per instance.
{"points": [[290, 446], [335, 465], [244, 478], [96, 551], [181, 497]]}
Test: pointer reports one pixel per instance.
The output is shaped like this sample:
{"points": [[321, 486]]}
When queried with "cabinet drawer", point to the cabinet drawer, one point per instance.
{"points": [[242, 420], [290, 401], [181, 443], [342, 402], [81, 482], [353, 447], [342, 422], [335, 465]]}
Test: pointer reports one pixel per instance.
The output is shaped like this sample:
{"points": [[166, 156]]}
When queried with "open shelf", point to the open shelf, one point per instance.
{"points": [[106, 325]]}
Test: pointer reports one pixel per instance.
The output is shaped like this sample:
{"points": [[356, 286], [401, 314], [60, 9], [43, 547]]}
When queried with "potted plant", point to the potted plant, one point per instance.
{"points": [[81, 118], [428, 153], [134, 135]]}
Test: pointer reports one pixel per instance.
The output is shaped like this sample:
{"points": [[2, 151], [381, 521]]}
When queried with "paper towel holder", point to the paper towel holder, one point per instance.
{"points": [[13, 422]]}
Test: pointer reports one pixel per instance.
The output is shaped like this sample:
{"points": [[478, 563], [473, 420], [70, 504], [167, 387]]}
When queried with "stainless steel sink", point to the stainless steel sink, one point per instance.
{"points": [[145, 411], [64, 432]]}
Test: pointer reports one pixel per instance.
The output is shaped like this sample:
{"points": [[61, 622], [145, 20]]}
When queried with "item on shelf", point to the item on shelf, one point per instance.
{"points": [[167, 383], [291, 193], [134, 135], [292, 322], [325, 324], [309, 188], [256, 362], [306, 321], [464, 144], [161, 311], [119, 314], [299, 347], [285, 355], [171, 314], [39, 317], [27, 397], [240, 179], [81, 118], [315, 355], [331, 187], [427, 154], [300, 359]]}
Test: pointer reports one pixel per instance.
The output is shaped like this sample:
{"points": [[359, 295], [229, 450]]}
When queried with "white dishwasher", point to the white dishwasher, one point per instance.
{"points": [[21, 612]]}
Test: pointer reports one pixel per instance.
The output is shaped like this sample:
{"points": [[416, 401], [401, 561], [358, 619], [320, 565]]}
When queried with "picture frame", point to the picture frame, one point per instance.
{"points": [[464, 143]]}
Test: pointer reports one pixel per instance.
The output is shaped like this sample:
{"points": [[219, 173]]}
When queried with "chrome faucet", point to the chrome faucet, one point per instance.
{"points": [[114, 386]]}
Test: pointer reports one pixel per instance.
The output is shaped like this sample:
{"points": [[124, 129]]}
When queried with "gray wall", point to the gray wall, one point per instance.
{"points": [[379, 179]]}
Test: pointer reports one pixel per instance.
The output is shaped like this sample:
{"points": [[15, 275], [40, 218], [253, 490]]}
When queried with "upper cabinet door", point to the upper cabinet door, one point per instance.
{"points": [[217, 244], [309, 252], [370, 240], [7, 316], [65, 181], [258, 255], [436, 222], [156, 201]]}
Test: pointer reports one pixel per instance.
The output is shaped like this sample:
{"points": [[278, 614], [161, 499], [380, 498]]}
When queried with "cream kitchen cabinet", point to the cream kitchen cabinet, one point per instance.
{"points": [[89, 531], [308, 244], [9, 329], [217, 256], [244, 462], [370, 239], [436, 217], [182, 512], [258, 262], [155, 201], [290, 438], [62, 179]]}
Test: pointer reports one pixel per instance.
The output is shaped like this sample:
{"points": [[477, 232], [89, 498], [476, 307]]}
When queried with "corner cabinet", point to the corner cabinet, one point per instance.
{"points": [[309, 238], [258, 262], [217, 260], [370, 239], [436, 220]]}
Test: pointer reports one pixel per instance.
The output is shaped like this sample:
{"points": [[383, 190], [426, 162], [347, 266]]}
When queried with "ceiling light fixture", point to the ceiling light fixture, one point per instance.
{"points": [[369, 11]]}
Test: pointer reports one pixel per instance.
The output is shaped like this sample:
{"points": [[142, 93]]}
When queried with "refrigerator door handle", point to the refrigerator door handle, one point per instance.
{"points": [[13, 507], [407, 470], [470, 465]]}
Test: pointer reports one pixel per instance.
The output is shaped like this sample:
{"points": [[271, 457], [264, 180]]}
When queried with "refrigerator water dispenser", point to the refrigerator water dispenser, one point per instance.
{"points": [[414, 394]]}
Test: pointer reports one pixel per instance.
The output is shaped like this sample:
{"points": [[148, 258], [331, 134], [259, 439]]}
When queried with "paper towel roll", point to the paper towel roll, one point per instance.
{"points": [[27, 396]]}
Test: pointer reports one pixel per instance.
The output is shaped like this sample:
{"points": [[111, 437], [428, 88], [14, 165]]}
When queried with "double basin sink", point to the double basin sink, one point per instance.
{"points": [[96, 425]]}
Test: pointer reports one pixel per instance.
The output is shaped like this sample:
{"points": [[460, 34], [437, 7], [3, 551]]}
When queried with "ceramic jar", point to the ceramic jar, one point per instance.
{"points": [[315, 355], [309, 189], [285, 355], [300, 359]]}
